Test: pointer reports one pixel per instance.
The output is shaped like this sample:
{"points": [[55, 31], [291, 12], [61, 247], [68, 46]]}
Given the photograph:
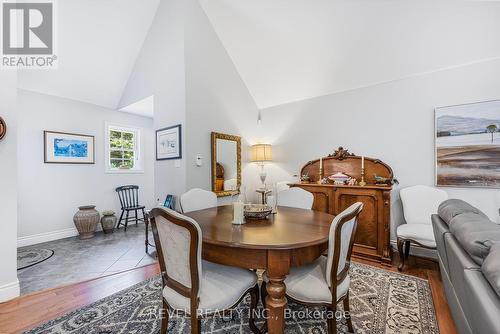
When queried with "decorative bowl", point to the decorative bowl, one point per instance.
{"points": [[257, 211]]}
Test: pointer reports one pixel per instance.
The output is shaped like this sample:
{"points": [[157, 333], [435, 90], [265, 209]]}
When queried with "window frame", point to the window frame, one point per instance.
{"points": [[138, 156]]}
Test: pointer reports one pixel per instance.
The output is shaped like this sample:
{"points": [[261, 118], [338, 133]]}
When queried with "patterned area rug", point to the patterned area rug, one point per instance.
{"points": [[381, 302], [30, 257]]}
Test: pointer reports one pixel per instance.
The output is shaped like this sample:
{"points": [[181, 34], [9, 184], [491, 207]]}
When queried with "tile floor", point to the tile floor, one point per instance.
{"points": [[76, 260]]}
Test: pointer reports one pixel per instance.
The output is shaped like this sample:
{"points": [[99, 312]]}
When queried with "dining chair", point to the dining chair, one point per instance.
{"points": [[197, 199], [295, 198], [191, 286], [419, 203], [325, 282], [129, 201]]}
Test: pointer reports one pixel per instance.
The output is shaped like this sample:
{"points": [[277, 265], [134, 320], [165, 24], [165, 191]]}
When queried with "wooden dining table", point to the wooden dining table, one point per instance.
{"points": [[291, 237]]}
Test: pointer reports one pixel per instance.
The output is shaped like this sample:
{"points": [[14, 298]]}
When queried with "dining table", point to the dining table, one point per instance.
{"points": [[289, 238]]}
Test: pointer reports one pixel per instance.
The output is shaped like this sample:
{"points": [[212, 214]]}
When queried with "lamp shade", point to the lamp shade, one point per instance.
{"points": [[262, 152]]}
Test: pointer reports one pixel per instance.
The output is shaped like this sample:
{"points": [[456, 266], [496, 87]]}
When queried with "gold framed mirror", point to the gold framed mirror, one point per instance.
{"points": [[226, 164]]}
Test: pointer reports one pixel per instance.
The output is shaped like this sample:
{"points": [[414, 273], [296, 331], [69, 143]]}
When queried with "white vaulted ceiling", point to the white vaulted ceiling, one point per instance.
{"points": [[289, 50], [99, 41]]}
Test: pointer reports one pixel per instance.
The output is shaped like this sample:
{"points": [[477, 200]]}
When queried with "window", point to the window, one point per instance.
{"points": [[123, 149]]}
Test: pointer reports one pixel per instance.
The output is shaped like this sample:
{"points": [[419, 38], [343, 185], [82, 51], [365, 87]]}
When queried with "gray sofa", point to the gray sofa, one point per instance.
{"points": [[468, 245]]}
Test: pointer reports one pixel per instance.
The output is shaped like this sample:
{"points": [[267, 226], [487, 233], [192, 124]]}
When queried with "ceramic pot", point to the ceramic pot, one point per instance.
{"points": [[108, 221], [86, 220]]}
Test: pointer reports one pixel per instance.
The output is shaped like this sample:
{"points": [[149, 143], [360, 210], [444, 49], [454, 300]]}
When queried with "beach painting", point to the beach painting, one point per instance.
{"points": [[468, 145], [65, 148]]}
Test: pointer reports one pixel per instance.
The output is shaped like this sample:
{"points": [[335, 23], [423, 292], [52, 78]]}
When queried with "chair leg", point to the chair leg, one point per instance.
{"points": [[146, 239], [401, 254], [347, 310], [254, 301], [263, 293], [126, 220], [136, 218], [120, 220], [332, 323], [407, 249], [195, 325], [164, 320]]}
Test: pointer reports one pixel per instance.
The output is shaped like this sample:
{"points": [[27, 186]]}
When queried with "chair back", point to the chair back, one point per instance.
{"points": [[296, 198], [128, 195], [197, 199], [420, 202], [178, 244], [282, 185], [341, 241]]}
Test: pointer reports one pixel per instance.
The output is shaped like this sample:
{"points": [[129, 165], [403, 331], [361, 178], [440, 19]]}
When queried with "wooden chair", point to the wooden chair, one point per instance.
{"points": [[419, 203], [191, 286], [296, 198], [197, 199], [325, 282], [129, 201]]}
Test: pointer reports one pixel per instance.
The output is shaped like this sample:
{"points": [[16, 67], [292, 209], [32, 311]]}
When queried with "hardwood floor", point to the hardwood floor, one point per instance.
{"points": [[31, 310]]}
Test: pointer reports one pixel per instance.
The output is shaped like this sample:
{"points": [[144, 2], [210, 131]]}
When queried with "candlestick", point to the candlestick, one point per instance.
{"points": [[320, 175], [362, 162], [320, 163], [362, 183]]}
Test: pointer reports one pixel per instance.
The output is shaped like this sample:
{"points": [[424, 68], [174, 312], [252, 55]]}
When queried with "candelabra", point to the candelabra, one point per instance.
{"points": [[362, 183]]}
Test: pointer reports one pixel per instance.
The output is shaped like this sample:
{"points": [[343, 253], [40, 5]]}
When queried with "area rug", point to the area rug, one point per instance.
{"points": [[30, 257], [381, 302]]}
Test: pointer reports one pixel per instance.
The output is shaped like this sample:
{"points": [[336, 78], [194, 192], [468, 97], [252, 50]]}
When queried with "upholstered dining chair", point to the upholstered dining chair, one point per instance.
{"points": [[197, 199], [295, 198], [129, 201], [191, 286], [419, 203], [325, 282]]}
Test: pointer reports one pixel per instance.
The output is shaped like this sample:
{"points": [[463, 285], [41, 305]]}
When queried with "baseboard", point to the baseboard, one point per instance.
{"points": [[47, 236], [418, 251], [9, 291]]}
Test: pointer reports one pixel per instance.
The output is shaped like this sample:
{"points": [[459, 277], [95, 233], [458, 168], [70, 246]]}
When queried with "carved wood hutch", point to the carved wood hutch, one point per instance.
{"points": [[373, 234]]}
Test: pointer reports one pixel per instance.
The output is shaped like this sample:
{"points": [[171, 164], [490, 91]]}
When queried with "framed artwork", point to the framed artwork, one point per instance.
{"points": [[169, 202], [468, 145], [168, 143], [68, 148]]}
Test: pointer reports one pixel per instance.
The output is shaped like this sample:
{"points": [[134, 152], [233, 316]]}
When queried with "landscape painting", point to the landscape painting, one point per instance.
{"points": [[66, 148], [468, 145]]}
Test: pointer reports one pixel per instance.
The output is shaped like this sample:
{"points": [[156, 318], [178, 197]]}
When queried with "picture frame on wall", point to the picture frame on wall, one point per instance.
{"points": [[467, 145], [169, 143], [68, 148]]}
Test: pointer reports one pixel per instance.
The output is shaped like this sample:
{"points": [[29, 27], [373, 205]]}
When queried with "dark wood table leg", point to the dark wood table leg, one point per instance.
{"points": [[278, 266]]}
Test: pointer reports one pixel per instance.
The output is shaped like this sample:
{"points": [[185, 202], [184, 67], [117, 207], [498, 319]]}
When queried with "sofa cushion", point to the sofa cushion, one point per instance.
{"points": [[454, 207], [491, 267], [476, 234]]}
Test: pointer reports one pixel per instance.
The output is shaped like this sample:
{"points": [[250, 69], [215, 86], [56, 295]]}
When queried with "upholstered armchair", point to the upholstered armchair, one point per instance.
{"points": [[325, 282], [191, 286], [419, 203], [197, 199], [295, 198]]}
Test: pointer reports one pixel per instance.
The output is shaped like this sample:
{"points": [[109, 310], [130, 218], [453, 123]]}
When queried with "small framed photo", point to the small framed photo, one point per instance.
{"points": [[169, 202], [68, 148], [168, 143]]}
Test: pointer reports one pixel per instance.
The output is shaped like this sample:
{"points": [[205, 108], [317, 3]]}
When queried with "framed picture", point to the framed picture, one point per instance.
{"points": [[468, 145], [169, 202], [168, 143], [68, 148]]}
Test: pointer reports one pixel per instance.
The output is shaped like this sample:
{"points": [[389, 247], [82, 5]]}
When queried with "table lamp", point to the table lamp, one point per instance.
{"points": [[260, 154]]}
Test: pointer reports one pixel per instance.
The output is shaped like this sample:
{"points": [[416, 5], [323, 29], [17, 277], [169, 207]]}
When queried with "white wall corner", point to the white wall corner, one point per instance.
{"points": [[47, 236], [9, 291]]}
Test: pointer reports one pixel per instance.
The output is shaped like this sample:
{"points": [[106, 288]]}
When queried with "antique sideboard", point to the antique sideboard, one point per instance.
{"points": [[373, 234]]}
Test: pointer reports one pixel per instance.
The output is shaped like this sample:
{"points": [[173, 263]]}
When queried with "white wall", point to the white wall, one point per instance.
{"points": [[9, 285], [49, 194], [393, 122], [159, 71], [216, 97]]}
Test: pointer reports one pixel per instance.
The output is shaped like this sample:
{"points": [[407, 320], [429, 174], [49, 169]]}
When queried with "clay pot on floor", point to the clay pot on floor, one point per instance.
{"points": [[108, 221], [86, 220]]}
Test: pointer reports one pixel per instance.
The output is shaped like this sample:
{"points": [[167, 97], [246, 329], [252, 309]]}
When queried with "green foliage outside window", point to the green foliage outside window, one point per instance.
{"points": [[121, 149]]}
